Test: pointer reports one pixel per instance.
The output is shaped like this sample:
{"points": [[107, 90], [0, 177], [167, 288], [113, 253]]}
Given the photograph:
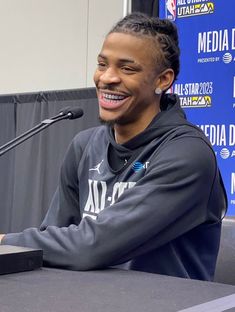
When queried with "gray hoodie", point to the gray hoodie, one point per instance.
{"points": [[153, 204]]}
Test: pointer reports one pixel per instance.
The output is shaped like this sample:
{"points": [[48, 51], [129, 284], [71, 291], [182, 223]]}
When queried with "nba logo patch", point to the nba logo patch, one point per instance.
{"points": [[171, 9]]}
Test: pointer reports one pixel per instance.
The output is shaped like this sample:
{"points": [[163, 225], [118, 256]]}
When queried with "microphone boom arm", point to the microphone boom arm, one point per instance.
{"points": [[41, 126]]}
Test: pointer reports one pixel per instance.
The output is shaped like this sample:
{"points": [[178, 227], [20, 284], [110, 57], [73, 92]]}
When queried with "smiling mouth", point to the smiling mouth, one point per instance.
{"points": [[112, 101], [113, 97]]}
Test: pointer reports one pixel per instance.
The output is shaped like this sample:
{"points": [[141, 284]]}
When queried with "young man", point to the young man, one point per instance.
{"points": [[142, 191]]}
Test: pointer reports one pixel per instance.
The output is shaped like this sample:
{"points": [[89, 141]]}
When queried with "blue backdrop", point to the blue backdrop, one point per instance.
{"points": [[206, 84]]}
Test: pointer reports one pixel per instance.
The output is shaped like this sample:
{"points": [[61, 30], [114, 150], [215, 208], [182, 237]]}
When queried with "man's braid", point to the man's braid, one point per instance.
{"points": [[164, 31]]}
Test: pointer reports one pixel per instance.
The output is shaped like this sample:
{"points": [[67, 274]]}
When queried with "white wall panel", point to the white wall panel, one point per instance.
{"points": [[52, 44], [43, 45], [103, 14]]}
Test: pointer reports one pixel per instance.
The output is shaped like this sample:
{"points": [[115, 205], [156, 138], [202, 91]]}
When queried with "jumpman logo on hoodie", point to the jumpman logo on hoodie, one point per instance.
{"points": [[97, 167]]}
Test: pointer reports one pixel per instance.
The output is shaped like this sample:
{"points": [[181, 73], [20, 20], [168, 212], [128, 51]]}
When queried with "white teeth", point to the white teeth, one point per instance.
{"points": [[113, 97]]}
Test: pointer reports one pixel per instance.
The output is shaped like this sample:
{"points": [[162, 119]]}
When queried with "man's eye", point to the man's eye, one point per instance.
{"points": [[128, 69], [101, 65]]}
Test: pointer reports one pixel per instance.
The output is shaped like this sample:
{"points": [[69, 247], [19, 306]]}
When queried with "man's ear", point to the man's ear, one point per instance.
{"points": [[165, 79]]}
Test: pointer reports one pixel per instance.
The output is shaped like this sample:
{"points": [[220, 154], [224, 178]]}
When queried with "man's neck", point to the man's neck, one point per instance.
{"points": [[124, 133]]}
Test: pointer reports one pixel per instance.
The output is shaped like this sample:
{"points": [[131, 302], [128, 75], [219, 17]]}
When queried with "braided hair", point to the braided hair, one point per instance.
{"points": [[162, 30]]}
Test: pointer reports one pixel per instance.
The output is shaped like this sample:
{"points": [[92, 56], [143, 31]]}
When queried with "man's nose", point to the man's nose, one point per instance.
{"points": [[109, 76]]}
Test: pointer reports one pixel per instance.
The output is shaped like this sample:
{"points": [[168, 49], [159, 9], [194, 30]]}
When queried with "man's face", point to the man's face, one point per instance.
{"points": [[125, 79]]}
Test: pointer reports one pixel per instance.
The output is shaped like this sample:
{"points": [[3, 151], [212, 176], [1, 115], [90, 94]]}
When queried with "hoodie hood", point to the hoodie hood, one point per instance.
{"points": [[170, 117]]}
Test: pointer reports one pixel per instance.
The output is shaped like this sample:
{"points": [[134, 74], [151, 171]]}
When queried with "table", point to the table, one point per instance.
{"points": [[54, 290]]}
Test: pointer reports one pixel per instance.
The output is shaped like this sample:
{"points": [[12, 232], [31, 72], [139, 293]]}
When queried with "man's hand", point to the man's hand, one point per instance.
{"points": [[1, 237]]}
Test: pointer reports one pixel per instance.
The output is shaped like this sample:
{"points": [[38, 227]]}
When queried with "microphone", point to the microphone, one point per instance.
{"points": [[74, 113], [66, 113]]}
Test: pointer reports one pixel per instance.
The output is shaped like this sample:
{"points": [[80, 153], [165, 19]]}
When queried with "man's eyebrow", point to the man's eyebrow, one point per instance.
{"points": [[126, 60], [122, 60]]}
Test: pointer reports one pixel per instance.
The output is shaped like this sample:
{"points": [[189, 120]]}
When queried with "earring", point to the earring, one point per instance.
{"points": [[158, 91]]}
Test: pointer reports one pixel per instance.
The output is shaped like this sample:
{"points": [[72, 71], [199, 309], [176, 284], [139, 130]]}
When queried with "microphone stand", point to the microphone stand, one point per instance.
{"points": [[26, 135], [15, 258]]}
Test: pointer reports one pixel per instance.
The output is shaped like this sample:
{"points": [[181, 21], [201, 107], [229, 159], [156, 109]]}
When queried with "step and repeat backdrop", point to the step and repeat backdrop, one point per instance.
{"points": [[206, 84]]}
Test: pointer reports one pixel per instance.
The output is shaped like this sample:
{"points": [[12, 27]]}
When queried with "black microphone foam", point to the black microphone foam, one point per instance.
{"points": [[73, 113]]}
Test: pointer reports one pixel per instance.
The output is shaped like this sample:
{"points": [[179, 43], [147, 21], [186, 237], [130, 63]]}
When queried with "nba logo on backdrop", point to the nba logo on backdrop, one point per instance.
{"points": [[171, 9]]}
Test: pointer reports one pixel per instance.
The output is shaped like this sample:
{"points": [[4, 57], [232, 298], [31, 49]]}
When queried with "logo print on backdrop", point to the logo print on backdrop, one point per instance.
{"points": [[195, 94], [222, 138], [232, 183], [234, 91], [211, 43], [171, 9], [201, 101], [227, 58], [186, 9], [224, 153], [234, 86]]}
